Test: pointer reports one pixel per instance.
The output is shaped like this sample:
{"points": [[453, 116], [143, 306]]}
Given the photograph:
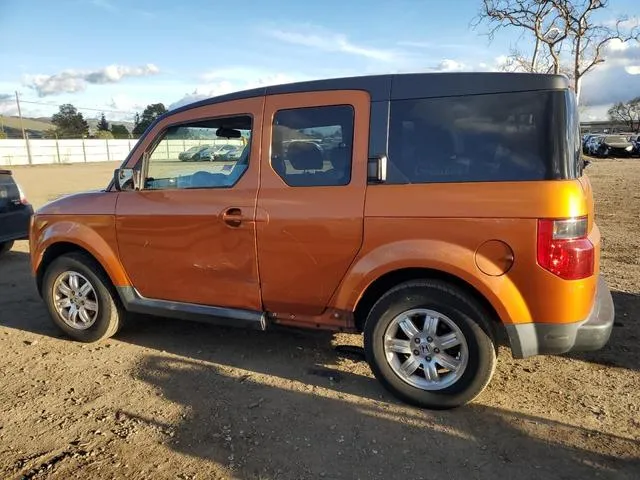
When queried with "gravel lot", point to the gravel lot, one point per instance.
{"points": [[167, 399]]}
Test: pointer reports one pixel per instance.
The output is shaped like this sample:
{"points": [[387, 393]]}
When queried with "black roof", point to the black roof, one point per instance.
{"points": [[407, 85]]}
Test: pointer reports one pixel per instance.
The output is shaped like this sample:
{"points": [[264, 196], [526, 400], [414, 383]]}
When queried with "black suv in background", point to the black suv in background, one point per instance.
{"points": [[15, 212]]}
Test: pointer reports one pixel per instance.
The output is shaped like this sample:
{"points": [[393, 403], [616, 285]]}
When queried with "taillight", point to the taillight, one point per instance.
{"points": [[564, 249], [23, 198]]}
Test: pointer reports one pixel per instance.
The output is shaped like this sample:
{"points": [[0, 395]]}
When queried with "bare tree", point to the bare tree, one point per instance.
{"points": [[535, 17], [627, 113], [566, 39]]}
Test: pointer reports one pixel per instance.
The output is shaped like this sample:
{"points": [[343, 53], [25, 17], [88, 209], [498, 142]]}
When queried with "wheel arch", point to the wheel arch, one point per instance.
{"points": [[51, 237], [395, 277], [56, 250]]}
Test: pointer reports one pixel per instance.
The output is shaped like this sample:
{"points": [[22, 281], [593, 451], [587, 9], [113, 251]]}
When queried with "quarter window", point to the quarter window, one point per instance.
{"points": [[206, 154], [499, 137], [313, 146]]}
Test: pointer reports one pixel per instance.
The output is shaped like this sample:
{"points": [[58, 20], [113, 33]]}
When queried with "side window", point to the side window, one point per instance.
{"points": [[206, 154], [476, 138], [312, 146]]}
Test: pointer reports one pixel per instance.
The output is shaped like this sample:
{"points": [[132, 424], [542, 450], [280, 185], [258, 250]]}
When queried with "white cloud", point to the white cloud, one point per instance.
{"points": [[332, 42], [8, 104], [72, 81], [617, 45], [616, 80], [626, 24], [448, 65], [233, 79]]}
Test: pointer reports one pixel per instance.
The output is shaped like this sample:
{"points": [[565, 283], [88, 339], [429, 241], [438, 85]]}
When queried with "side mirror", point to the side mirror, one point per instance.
{"points": [[125, 179], [377, 169]]}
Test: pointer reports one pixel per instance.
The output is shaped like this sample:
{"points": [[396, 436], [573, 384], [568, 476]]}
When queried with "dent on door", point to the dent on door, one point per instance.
{"points": [[196, 245]]}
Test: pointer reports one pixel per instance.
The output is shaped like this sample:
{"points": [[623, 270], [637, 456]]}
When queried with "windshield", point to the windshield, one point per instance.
{"points": [[615, 139]]}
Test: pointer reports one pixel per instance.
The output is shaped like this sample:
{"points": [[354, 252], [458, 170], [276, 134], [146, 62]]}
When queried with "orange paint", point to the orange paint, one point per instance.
{"points": [[307, 255]]}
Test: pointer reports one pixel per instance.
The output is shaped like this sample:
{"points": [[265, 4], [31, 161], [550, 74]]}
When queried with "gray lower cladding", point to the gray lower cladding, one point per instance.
{"points": [[593, 333], [230, 317]]}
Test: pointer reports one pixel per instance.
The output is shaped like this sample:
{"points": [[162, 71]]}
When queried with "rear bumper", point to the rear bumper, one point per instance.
{"points": [[554, 338], [15, 225]]}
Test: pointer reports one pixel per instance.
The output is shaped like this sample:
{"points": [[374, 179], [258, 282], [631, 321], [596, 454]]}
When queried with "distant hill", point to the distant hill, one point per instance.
{"points": [[39, 125], [36, 127]]}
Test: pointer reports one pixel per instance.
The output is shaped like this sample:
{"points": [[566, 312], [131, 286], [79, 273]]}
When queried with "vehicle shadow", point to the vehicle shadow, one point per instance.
{"points": [[258, 428], [276, 404], [623, 348], [285, 353]]}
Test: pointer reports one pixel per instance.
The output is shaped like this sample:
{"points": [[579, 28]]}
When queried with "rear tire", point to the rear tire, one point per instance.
{"points": [[87, 309], [5, 247], [446, 326]]}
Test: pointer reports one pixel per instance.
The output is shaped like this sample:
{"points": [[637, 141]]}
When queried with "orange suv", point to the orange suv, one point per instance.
{"points": [[440, 214]]}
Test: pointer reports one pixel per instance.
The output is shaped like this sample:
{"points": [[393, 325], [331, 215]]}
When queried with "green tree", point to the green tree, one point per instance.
{"points": [[119, 131], [103, 125], [149, 115], [69, 122], [50, 133], [2, 134], [104, 134]]}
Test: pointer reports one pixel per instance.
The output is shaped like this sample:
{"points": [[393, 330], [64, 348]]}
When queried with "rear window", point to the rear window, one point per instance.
{"points": [[6, 178], [8, 192], [482, 138]]}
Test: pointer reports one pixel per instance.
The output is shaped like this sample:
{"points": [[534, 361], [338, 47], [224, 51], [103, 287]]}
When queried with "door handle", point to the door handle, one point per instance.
{"points": [[232, 217]]}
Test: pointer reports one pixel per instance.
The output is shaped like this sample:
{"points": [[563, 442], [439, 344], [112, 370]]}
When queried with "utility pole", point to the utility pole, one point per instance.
{"points": [[24, 135]]}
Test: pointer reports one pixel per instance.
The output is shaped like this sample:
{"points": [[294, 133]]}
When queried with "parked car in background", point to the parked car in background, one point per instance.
{"points": [[15, 212], [612, 146], [586, 141], [217, 152], [380, 231], [635, 140], [188, 155], [229, 154], [591, 144]]}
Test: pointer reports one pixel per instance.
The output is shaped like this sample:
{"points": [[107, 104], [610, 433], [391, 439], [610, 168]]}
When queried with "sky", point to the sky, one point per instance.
{"points": [[118, 56]]}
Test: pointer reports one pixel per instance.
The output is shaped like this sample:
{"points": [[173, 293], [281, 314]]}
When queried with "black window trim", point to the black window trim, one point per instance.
{"points": [[145, 158]]}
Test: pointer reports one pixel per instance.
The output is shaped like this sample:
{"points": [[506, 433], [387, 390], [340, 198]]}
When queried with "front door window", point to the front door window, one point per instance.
{"points": [[205, 154]]}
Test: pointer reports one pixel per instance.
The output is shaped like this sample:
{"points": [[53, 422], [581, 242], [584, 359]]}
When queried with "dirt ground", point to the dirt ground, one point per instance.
{"points": [[166, 399]]}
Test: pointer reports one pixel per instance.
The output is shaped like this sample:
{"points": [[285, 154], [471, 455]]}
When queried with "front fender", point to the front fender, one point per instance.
{"points": [[96, 235], [452, 259]]}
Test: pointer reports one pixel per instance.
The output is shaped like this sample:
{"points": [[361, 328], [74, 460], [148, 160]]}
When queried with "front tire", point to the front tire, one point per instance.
{"points": [[430, 344], [81, 299]]}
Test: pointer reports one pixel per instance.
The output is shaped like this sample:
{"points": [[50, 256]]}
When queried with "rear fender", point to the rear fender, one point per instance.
{"points": [[451, 259]]}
